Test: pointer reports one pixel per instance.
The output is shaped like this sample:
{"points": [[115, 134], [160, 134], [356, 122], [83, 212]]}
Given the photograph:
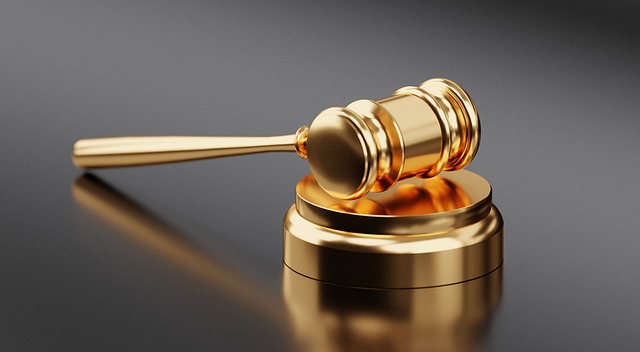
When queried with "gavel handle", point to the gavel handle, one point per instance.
{"points": [[133, 151]]}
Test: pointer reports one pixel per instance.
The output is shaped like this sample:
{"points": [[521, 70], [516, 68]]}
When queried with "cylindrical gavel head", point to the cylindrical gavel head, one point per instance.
{"points": [[371, 145]]}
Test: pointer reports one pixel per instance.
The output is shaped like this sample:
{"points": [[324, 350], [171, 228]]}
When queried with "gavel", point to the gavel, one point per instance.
{"points": [[364, 147]]}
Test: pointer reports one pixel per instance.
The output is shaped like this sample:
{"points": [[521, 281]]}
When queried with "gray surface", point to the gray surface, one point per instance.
{"points": [[555, 84]]}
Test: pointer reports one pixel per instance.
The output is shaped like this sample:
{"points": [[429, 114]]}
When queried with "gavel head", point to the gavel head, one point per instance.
{"points": [[371, 145]]}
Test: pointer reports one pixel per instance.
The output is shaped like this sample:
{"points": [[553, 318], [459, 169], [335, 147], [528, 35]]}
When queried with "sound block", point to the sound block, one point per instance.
{"points": [[421, 233]]}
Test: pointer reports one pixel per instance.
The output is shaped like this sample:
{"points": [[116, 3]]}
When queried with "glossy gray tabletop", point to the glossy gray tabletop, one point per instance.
{"points": [[556, 85]]}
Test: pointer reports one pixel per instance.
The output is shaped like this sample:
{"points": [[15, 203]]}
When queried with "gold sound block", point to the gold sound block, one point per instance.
{"points": [[421, 233]]}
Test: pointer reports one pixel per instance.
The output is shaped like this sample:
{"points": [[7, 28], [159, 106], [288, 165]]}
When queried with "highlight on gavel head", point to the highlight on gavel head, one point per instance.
{"points": [[371, 145]]}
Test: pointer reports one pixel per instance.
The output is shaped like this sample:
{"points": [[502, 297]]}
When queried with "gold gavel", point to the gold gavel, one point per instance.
{"points": [[367, 146]]}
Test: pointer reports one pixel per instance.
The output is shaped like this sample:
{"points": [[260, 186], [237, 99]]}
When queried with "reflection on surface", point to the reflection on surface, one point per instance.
{"points": [[148, 230], [327, 317], [409, 197]]}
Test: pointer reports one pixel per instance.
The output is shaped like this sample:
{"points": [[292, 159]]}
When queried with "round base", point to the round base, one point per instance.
{"points": [[458, 237]]}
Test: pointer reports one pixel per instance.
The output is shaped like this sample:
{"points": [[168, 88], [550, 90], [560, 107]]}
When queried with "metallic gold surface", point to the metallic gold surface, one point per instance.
{"points": [[463, 120], [421, 233], [444, 203], [422, 137], [135, 151], [302, 134], [371, 145], [367, 146], [329, 318], [388, 141], [342, 153]]}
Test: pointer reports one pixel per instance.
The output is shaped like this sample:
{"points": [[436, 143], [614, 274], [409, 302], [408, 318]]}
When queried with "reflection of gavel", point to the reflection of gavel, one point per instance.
{"points": [[367, 146], [432, 196]]}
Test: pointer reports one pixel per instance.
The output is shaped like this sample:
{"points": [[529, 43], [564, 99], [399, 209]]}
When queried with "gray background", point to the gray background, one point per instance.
{"points": [[555, 84]]}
